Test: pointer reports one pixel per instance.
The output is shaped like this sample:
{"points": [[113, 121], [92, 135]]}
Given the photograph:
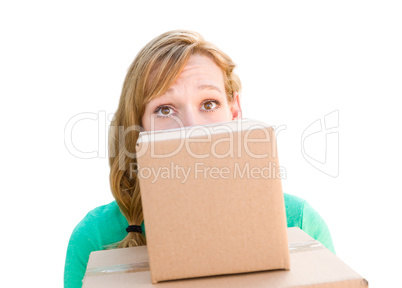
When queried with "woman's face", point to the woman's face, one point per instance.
{"points": [[196, 98]]}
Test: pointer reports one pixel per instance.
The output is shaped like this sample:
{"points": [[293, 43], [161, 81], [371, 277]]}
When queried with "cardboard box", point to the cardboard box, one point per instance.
{"points": [[212, 200], [312, 265]]}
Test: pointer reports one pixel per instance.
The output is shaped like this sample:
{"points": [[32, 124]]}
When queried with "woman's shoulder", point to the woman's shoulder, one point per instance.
{"points": [[293, 200], [99, 213], [103, 225], [299, 211], [294, 210]]}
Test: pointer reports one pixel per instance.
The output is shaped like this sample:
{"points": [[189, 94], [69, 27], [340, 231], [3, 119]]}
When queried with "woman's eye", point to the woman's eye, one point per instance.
{"points": [[207, 106], [163, 111], [210, 105]]}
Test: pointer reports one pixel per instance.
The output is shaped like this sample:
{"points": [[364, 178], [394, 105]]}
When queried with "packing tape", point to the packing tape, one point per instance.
{"points": [[305, 246], [123, 268], [144, 266]]}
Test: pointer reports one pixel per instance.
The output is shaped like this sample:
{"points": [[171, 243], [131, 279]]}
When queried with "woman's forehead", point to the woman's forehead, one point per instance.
{"points": [[201, 71]]}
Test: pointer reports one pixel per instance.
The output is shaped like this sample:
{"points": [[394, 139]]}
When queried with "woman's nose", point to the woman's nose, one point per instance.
{"points": [[189, 119]]}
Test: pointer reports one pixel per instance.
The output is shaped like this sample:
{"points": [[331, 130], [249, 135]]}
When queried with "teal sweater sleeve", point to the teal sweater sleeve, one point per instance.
{"points": [[80, 246], [102, 226], [300, 214], [314, 225]]}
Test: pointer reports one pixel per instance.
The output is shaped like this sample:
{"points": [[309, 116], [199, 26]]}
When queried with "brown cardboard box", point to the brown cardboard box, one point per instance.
{"points": [[212, 200], [312, 265]]}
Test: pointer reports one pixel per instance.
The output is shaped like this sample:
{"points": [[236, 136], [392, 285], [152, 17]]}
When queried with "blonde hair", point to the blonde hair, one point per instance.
{"points": [[153, 71]]}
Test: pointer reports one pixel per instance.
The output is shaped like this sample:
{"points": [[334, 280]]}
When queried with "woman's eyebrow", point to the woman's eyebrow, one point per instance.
{"points": [[200, 87], [209, 87]]}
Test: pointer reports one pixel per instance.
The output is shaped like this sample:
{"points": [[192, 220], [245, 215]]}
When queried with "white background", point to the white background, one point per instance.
{"points": [[298, 61]]}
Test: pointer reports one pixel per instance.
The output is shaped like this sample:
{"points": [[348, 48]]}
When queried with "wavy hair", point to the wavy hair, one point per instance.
{"points": [[153, 71]]}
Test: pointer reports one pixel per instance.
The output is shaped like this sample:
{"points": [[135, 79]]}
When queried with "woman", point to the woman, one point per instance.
{"points": [[178, 79]]}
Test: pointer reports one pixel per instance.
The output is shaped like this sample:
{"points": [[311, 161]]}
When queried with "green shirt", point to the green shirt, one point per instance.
{"points": [[106, 225]]}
